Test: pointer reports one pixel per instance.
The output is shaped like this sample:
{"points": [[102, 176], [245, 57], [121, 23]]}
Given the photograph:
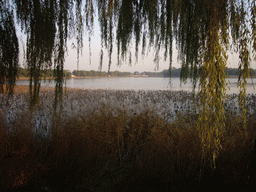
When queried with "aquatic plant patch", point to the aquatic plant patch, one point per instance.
{"points": [[118, 140]]}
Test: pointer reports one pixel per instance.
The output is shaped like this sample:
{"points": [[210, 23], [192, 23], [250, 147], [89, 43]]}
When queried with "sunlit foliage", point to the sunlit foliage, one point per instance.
{"points": [[202, 30]]}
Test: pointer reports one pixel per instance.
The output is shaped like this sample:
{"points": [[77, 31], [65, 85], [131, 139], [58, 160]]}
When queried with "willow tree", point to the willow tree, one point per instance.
{"points": [[46, 24], [9, 48], [204, 31]]}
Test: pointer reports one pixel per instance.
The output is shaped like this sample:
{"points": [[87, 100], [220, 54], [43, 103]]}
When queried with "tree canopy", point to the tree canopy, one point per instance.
{"points": [[204, 30]]}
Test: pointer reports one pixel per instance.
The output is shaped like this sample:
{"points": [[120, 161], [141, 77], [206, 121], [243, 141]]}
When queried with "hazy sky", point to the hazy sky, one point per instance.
{"points": [[146, 64], [143, 64]]}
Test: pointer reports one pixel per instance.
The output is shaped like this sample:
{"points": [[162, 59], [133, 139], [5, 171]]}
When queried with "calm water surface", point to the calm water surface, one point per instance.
{"points": [[140, 83]]}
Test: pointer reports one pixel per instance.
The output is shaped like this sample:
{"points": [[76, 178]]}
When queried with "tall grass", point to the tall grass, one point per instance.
{"points": [[111, 149]]}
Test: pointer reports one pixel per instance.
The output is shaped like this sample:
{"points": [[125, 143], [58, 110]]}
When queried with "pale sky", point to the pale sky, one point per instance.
{"points": [[146, 64]]}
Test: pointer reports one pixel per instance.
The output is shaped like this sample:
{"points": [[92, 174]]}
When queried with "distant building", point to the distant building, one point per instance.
{"points": [[136, 73]]}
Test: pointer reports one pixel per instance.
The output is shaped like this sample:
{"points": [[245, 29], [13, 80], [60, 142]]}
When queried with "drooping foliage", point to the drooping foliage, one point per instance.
{"points": [[37, 19], [244, 41], [107, 13], [204, 32], [9, 48]]}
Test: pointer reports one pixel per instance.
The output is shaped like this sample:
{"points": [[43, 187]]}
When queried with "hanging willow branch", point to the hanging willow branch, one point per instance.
{"points": [[79, 29], [37, 19], [253, 28], [212, 80], [107, 13], [201, 29], [64, 7], [9, 49], [242, 40], [89, 19]]}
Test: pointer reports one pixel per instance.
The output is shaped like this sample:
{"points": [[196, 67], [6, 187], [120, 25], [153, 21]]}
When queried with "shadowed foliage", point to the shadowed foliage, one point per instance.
{"points": [[9, 48], [204, 31]]}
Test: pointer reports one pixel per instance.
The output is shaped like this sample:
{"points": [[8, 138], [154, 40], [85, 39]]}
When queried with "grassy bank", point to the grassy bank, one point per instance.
{"points": [[110, 147], [25, 89]]}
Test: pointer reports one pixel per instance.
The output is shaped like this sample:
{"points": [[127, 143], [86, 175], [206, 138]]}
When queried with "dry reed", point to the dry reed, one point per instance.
{"points": [[112, 149]]}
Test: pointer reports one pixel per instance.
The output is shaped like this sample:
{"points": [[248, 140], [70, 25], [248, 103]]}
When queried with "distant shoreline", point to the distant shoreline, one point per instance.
{"points": [[92, 77], [73, 77]]}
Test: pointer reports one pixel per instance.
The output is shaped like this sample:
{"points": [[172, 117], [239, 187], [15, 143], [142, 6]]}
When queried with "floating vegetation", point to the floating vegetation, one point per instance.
{"points": [[119, 140], [83, 103]]}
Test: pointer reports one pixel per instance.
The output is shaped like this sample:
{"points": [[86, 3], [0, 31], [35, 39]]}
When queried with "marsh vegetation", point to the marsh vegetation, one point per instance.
{"points": [[118, 141], [57, 141]]}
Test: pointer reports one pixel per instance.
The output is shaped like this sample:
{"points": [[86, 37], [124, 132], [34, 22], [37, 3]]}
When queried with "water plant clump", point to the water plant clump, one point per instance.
{"points": [[81, 103], [118, 140], [167, 105]]}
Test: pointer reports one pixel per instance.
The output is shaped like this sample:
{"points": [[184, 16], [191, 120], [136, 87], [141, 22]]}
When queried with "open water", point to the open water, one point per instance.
{"points": [[141, 83]]}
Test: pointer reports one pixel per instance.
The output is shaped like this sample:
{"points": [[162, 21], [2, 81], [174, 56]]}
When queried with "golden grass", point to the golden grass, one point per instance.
{"points": [[25, 89], [106, 152]]}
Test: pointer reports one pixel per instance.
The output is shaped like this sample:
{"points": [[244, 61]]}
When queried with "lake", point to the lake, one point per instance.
{"points": [[139, 83]]}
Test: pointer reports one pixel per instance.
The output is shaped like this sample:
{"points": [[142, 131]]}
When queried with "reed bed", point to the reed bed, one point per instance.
{"points": [[107, 140]]}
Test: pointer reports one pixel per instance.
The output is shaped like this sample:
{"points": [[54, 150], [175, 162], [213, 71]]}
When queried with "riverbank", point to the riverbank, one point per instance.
{"points": [[106, 140], [90, 77], [76, 77], [42, 79], [25, 89]]}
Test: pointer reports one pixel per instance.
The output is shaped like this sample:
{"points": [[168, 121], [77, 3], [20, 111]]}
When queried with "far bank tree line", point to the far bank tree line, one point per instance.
{"points": [[204, 33], [22, 72]]}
